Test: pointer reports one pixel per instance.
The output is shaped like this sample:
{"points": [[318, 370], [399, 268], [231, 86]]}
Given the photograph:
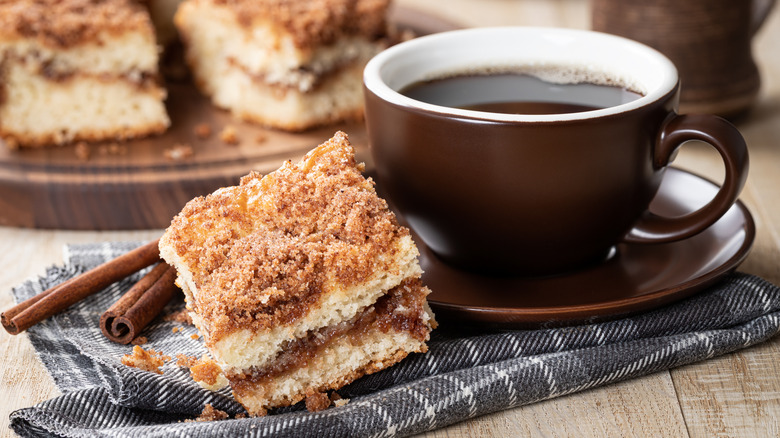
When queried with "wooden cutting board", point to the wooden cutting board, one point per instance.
{"points": [[133, 185]]}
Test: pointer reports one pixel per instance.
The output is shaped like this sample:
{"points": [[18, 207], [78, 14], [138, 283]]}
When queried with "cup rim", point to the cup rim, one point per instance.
{"points": [[663, 81]]}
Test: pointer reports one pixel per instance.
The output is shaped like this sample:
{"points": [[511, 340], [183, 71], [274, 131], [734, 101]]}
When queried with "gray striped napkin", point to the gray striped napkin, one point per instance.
{"points": [[464, 374]]}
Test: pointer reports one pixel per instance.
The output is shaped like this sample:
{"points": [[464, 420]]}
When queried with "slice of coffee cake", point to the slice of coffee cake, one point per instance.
{"points": [[285, 64], [300, 281], [77, 70]]}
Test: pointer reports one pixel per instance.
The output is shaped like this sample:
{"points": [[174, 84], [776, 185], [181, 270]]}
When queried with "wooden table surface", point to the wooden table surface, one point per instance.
{"points": [[737, 395]]}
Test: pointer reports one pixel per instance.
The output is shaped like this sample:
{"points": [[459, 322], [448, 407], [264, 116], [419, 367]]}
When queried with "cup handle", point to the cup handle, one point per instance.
{"points": [[727, 140], [761, 9]]}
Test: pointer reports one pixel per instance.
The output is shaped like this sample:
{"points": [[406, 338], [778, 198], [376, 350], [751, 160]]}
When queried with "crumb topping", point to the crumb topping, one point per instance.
{"points": [[202, 131], [181, 316], [147, 360], [113, 148], [317, 401], [65, 23], [261, 253], [182, 360], [210, 413], [314, 22], [337, 400], [229, 135], [179, 152], [205, 370], [82, 151]]}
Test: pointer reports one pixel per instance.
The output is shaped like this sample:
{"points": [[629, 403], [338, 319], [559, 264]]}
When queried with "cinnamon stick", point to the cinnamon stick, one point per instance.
{"points": [[9, 314], [56, 299], [123, 321]]}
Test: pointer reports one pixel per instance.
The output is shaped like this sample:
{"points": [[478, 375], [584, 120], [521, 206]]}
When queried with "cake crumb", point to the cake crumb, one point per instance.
{"points": [[11, 144], [194, 336], [183, 360], [210, 413], [182, 316], [337, 400], [175, 330], [112, 149], [147, 360], [82, 151], [202, 131], [139, 340], [229, 135], [204, 371], [179, 152], [317, 401]]}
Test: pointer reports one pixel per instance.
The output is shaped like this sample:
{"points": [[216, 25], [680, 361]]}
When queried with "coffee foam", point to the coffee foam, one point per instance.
{"points": [[556, 74]]}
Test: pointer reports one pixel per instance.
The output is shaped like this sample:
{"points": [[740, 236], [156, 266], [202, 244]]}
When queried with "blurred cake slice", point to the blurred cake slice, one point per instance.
{"points": [[286, 64], [300, 281], [78, 70]]}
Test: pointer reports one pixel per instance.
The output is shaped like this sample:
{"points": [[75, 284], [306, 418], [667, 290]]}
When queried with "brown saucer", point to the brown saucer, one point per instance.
{"points": [[636, 278]]}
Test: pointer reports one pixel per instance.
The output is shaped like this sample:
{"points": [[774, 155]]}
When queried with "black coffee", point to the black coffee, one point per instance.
{"points": [[517, 93]]}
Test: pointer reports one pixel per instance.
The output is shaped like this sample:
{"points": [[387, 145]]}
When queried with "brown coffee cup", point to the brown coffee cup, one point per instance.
{"points": [[708, 40], [519, 194]]}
